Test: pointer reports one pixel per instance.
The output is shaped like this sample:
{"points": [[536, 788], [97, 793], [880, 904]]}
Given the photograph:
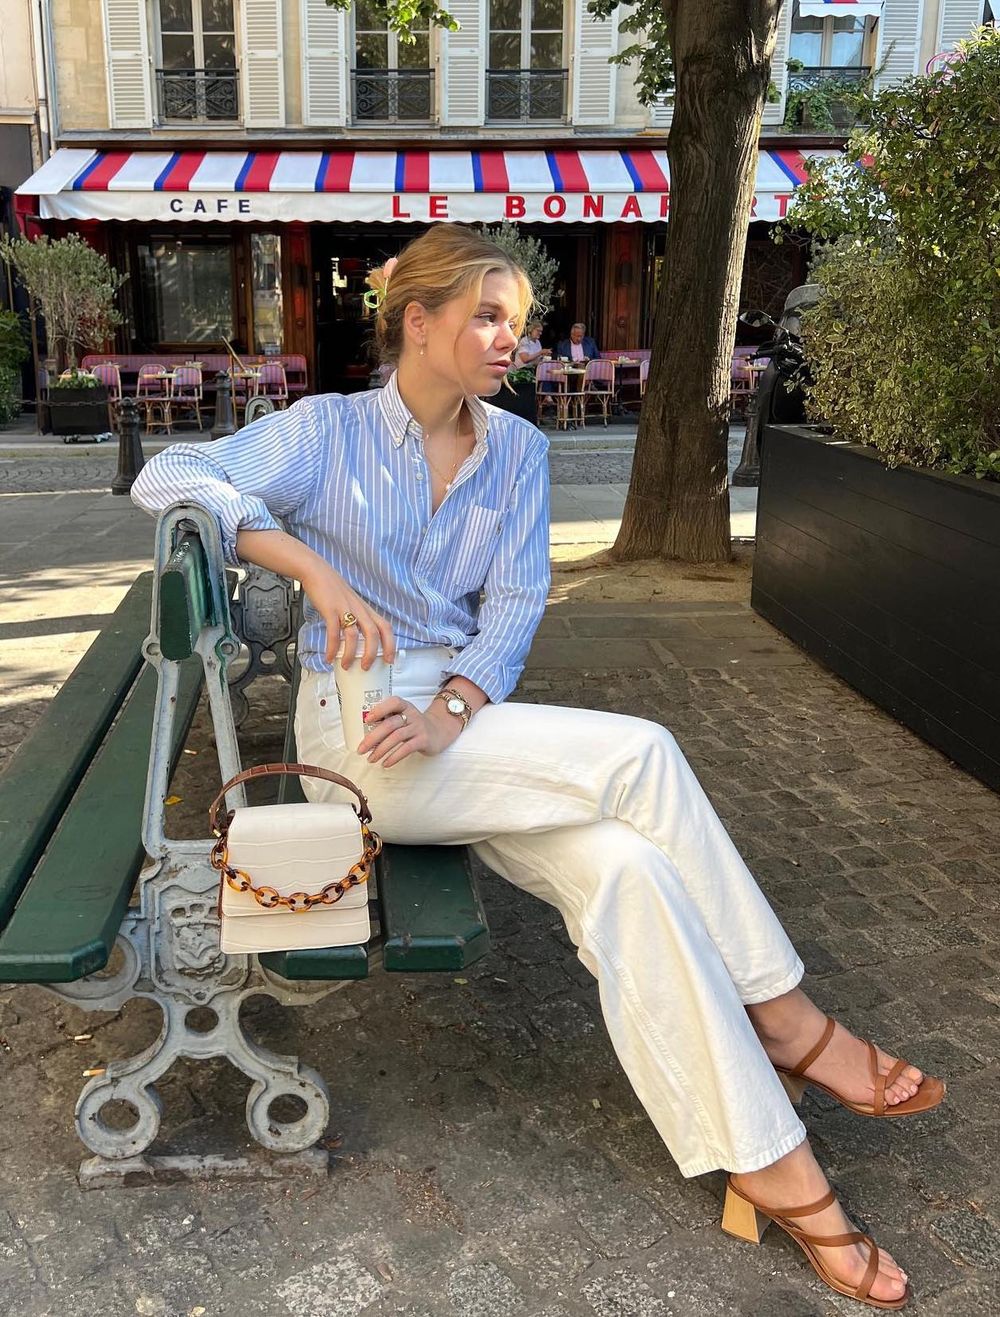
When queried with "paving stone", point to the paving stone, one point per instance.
{"points": [[336, 1287], [623, 1294], [484, 1291], [971, 1237]]}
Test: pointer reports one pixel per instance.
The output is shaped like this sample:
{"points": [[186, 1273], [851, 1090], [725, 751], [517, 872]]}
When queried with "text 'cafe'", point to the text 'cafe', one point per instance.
{"points": [[270, 248]]}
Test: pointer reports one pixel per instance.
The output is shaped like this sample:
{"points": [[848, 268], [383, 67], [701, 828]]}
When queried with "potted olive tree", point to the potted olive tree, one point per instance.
{"points": [[878, 525], [518, 392], [73, 288], [13, 351]]}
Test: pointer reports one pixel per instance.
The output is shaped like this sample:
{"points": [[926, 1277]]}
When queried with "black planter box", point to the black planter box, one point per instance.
{"points": [[78, 411], [889, 578], [521, 402]]}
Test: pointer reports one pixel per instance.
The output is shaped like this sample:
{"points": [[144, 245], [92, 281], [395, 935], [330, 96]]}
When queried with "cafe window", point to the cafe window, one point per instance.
{"points": [[186, 287], [265, 264]]}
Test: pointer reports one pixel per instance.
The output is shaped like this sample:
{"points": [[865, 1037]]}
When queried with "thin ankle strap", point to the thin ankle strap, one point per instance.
{"points": [[811, 1055], [828, 1198]]}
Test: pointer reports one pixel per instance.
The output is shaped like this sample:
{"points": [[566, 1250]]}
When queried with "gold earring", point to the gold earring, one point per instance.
{"points": [[422, 346]]}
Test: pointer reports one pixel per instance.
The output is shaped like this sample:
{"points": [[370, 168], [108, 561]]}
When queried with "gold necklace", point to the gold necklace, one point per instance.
{"points": [[437, 470]]}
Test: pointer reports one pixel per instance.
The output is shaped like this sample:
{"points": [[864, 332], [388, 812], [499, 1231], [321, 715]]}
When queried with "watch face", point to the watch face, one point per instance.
{"points": [[456, 705]]}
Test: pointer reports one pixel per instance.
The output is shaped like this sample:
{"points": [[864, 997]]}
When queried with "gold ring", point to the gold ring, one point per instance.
{"points": [[348, 620], [404, 718]]}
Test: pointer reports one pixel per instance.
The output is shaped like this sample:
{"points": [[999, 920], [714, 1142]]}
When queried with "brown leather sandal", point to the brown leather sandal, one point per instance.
{"points": [[929, 1095], [748, 1220]]}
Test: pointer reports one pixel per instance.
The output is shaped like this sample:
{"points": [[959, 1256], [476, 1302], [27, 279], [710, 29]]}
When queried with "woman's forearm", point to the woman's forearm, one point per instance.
{"points": [[280, 552]]}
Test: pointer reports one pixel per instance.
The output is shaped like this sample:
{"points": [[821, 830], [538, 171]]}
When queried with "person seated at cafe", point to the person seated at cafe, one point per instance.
{"points": [[579, 346], [529, 351]]}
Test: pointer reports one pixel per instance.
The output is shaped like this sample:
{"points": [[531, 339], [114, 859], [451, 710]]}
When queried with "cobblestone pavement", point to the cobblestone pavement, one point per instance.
{"points": [[93, 469], [488, 1159]]}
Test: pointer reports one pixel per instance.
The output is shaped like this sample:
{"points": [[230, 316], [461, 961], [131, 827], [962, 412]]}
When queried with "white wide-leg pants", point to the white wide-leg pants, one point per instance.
{"points": [[600, 815]]}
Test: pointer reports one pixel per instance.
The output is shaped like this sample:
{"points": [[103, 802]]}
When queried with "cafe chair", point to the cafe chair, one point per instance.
{"points": [[152, 396], [598, 388], [550, 389], [272, 383], [187, 394], [110, 376]]}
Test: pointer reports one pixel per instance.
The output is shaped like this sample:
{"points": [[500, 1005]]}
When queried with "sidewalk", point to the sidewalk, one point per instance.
{"points": [[488, 1158]]}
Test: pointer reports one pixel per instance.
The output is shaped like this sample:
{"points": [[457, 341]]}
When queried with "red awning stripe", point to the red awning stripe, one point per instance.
{"points": [[413, 171], [335, 172], [646, 172], [100, 172], [570, 171], [256, 174], [178, 174], [792, 163], [490, 171]]}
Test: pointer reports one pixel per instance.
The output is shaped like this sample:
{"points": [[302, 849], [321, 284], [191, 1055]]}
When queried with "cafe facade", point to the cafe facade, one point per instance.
{"points": [[246, 163]]}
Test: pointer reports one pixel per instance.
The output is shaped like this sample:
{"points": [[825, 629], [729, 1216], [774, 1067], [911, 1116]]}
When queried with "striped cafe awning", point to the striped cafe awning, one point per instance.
{"points": [[840, 8], [376, 186]]}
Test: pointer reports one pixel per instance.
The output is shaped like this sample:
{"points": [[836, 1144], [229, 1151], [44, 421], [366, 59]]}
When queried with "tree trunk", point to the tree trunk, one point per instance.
{"points": [[678, 499]]}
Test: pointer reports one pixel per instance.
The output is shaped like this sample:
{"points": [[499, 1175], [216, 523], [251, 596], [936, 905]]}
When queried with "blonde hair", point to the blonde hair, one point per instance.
{"points": [[446, 262]]}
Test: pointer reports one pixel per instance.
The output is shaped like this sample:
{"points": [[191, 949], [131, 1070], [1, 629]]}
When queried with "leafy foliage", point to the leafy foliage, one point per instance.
{"points": [[13, 350], [406, 17], [828, 103], [904, 344], [10, 393], [530, 254], [73, 287]]}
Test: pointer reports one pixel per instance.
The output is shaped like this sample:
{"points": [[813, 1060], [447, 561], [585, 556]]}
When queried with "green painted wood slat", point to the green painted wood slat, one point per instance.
{"points": [[432, 917], [40, 779], [185, 599], [65, 924]]}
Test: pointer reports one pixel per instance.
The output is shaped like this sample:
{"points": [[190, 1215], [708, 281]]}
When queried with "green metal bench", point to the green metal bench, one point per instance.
{"points": [[79, 817]]}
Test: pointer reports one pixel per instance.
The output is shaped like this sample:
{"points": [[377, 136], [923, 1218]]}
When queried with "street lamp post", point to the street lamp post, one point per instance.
{"points": [[130, 459]]}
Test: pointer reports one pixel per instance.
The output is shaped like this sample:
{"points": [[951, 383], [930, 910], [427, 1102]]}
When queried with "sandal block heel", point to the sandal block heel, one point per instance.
{"points": [[793, 1086], [742, 1220]]}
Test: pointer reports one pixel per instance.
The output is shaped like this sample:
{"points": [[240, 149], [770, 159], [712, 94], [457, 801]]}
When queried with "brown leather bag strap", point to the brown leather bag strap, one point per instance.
{"points": [[290, 770]]}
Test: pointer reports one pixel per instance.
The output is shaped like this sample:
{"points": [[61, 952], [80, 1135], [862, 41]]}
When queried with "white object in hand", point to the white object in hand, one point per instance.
{"points": [[359, 691]]}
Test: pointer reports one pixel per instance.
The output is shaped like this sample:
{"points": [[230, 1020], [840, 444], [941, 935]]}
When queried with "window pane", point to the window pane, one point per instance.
{"points": [[547, 14], [265, 252], [178, 51], [546, 50], [505, 15], [175, 16], [220, 52], [505, 50], [807, 46], [368, 19], [187, 291], [217, 16], [416, 56], [373, 51], [848, 44]]}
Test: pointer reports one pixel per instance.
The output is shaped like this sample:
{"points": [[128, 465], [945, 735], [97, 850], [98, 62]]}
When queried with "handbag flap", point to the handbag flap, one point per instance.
{"points": [[293, 848]]}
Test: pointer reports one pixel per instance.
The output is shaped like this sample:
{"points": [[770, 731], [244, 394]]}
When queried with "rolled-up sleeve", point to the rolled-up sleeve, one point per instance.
{"points": [[264, 471], [516, 587]]}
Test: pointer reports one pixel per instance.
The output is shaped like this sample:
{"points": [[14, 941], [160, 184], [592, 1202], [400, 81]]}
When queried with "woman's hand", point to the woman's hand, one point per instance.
{"points": [[396, 729], [332, 598]]}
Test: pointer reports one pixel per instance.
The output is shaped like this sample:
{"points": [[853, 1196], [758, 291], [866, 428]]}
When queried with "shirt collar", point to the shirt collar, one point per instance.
{"points": [[402, 423]]}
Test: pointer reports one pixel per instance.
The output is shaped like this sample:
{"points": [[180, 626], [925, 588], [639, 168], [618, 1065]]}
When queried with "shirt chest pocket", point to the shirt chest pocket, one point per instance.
{"points": [[472, 549]]}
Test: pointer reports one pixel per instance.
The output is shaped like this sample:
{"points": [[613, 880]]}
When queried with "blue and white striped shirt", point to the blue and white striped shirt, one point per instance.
{"points": [[347, 475]]}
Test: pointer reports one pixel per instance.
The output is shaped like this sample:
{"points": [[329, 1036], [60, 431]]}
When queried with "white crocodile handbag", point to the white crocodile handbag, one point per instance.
{"points": [[293, 877]]}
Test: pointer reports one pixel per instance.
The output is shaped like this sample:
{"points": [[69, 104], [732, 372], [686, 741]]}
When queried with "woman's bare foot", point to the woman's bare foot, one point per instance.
{"points": [[790, 1025], [796, 1180]]}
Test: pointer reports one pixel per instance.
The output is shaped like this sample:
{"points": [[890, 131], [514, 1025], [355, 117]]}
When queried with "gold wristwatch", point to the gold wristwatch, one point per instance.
{"points": [[456, 704]]}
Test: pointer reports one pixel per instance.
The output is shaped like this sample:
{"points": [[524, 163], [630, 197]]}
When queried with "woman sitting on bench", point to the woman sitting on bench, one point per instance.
{"points": [[402, 505]]}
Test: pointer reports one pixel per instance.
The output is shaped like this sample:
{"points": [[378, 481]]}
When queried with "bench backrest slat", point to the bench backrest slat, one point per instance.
{"points": [[185, 599], [40, 780]]}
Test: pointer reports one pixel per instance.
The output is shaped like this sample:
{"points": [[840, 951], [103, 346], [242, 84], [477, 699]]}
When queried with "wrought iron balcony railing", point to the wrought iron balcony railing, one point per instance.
{"points": [[809, 77], [392, 95], [198, 95], [526, 95]]}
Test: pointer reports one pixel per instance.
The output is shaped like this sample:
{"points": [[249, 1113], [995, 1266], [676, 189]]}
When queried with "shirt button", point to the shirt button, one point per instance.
{"points": [[419, 475]]}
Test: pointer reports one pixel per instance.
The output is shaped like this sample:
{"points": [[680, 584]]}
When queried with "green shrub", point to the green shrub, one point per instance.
{"points": [[13, 344], [904, 344], [10, 394]]}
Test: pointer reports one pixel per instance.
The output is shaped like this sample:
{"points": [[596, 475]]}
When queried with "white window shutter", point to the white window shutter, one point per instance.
{"points": [[956, 19], [899, 33], [661, 113], [774, 111], [463, 65], [594, 78], [126, 41], [263, 75], [324, 45]]}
